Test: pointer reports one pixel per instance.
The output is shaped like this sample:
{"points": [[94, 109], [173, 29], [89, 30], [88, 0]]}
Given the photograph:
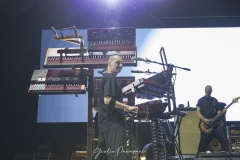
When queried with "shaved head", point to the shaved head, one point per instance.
{"points": [[208, 91], [112, 57], [115, 64], [208, 87]]}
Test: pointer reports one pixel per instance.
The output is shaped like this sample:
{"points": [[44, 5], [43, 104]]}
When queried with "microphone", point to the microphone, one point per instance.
{"points": [[101, 72], [137, 59]]}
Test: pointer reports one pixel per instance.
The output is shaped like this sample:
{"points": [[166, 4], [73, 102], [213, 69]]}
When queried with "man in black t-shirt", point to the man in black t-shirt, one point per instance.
{"points": [[207, 108], [111, 114]]}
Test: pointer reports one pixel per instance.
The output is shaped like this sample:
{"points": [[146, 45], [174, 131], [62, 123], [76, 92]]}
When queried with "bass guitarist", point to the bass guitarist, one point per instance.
{"points": [[207, 106]]}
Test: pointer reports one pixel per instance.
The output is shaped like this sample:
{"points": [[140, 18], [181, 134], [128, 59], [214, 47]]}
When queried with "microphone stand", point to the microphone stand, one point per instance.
{"points": [[186, 69], [168, 65], [146, 72], [149, 61]]}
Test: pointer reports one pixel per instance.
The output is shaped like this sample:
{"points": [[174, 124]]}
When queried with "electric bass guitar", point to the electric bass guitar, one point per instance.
{"points": [[207, 128]]}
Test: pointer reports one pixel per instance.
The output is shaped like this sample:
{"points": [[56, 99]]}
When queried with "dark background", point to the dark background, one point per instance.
{"points": [[21, 23]]}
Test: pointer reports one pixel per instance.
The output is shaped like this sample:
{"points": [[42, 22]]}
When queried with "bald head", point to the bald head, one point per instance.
{"points": [[208, 90], [113, 57], [208, 87], [115, 63]]}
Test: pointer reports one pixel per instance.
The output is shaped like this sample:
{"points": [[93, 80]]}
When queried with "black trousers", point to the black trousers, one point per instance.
{"points": [[111, 145], [218, 133]]}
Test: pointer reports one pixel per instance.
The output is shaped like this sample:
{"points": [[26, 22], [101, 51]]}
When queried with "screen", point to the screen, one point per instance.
{"points": [[212, 55]]}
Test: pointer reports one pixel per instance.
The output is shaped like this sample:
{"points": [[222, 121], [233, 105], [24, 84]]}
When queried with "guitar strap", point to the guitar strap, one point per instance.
{"points": [[214, 111], [212, 105]]}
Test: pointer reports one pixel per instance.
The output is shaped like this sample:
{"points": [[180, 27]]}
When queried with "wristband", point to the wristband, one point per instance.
{"points": [[112, 102], [111, 105]]}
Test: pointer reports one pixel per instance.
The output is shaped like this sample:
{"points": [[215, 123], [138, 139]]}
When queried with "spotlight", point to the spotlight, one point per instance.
{"points": [[111, 3]]}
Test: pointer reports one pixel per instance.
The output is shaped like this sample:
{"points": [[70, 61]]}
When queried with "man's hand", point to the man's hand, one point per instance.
{"points": [[206, 121], [132, 109]]}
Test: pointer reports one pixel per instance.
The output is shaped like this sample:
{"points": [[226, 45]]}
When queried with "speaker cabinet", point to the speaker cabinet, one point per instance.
{"points": [[214, 145], [189, 133]]}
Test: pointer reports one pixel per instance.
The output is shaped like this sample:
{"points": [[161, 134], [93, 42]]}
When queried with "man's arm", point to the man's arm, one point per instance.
{"points": [[200, 115], [118, 104]]}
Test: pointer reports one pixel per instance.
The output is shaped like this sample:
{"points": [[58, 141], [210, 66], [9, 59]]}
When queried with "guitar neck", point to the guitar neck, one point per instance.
{"points": [[221, 113]]}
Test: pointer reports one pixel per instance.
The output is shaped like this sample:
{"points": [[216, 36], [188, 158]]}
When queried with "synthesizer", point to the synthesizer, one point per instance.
{"points": [[149, 108], [72, 58], [111, 39], [58, 82], [156, 86], [156, 109]]}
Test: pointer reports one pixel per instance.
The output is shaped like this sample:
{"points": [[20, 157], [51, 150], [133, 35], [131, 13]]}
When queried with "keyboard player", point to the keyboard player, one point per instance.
{"points": [[111, 115]]}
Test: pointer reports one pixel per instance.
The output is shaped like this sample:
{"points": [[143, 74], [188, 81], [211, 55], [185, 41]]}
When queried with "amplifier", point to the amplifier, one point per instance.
{"points": [[233, 136], [234, 130]]}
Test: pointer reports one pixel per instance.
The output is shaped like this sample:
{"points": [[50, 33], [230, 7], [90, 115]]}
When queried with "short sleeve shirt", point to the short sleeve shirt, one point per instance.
{"points": [[108, 116], [208, 106]]}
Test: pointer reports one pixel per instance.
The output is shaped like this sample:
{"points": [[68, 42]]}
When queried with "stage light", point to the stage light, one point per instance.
{"points": [[111, 3]]}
